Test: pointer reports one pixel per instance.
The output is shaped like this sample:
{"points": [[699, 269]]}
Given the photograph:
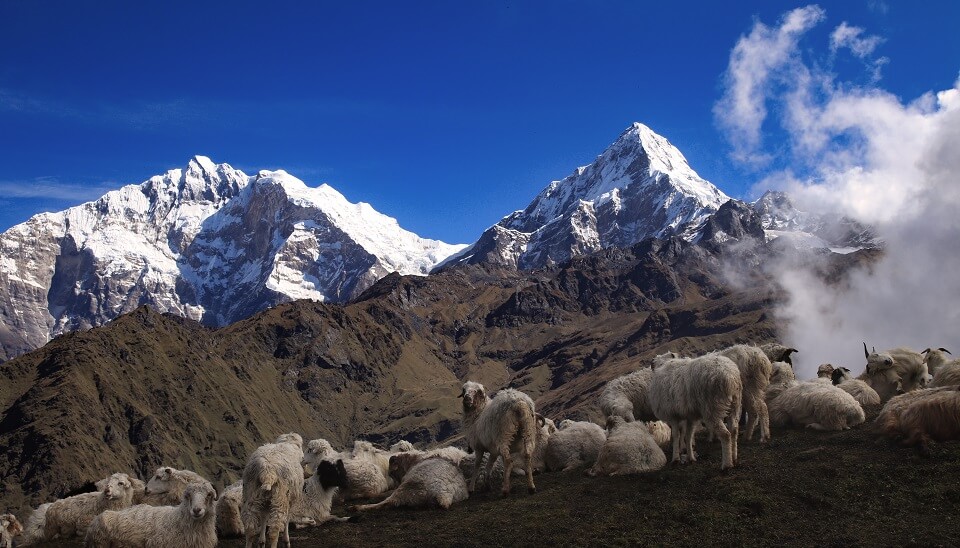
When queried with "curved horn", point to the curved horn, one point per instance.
{"points": [[866, 354], [926, 350], [463, 393], [947, 351], [541, 420]]}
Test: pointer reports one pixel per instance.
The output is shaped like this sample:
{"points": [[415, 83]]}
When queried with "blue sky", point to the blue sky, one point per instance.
{"points": [[445, 115]]}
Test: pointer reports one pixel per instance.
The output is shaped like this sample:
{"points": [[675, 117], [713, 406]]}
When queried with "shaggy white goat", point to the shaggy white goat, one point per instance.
{"points": [[501, 426], [432, 482], [894, 372], [575, 445], [815, 405], [71, 516], [166, 486], [925, 416], [947, 375], [9, 528], [684, 391], [229, 523], [935, 358], [272, 485], [860, 390], [755, 370], [626, 396], [628, 449], [192, 524], [33, 529]]}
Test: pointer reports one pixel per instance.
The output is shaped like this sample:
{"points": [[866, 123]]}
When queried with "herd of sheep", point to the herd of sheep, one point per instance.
{"points": [[657, 407]]}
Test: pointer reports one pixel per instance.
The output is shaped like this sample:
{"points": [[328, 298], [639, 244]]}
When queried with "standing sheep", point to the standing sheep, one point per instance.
{"points": [[71, 516], [861, 391], [815, 405], [628, 449], [930, 415], [432, 482], [501, 426], [229, 523], [626, 396], [755, 370], [166, 486], [686, 390], [9, 528], [192, 524], [575, 445], [272, 485]]}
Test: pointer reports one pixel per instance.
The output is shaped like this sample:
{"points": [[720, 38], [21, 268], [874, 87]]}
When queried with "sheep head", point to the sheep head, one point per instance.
{"points": [[292, 438], [117, 486], [332, 474], [877, 361], [159, 482], [10, 523], [199, 500], [474, 396], [825, 370], [400, 464], [839, 375], [663, 358]]}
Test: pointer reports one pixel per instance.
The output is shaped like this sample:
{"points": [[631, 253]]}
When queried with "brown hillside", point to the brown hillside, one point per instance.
{"points": [[148, 389]]}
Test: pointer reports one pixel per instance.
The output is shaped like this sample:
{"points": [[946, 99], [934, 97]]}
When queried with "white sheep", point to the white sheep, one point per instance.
{"points": [[402, 446], [272, 485], [365, 479], [575, 445], [755, 370], [889, 418], [9, 528], [947, 374], [626, 396], [777, 352], [166, 486], [894, 372], [229, 503], [628, 449], [503, 425], [451, 453], [431, 482], [924, 416], [860, 390], [326, 478], [191, 524], [660, 431], [33, 529], [70, 516], [935, 358], [684, 391], [815, 405]]}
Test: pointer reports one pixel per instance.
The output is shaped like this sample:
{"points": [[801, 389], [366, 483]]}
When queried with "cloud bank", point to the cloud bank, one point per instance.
{"points": [[861, 151]]}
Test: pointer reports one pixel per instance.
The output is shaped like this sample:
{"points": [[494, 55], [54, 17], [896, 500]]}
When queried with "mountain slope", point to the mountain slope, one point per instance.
{"points": [[205, 242], [640, 187]]}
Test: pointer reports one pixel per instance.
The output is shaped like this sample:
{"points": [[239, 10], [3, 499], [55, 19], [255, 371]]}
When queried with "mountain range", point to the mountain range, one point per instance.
{"points": [[212, 244]]}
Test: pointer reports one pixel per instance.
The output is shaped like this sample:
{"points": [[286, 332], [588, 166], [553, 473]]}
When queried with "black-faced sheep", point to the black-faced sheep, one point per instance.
{"points": [[327, 477], [777, 352], [501, 426], [684, 391], [628, 449], [272, 486], [192, 524]]}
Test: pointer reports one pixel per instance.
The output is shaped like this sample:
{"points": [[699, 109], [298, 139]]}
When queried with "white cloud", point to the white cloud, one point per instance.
{"points": [[892, 164], [764, 55], [846, 36], [51, 188]]}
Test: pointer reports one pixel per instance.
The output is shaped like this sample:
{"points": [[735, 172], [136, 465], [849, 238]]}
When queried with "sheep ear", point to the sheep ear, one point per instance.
{"points": [[168, 471], [462, 393], [865, 353], [541, 421], [216, 495], [102, 484], [791, 350]]}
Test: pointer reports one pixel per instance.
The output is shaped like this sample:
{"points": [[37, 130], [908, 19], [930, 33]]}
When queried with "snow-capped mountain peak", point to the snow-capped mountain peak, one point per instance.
{"points": [[640, 186], [204, 241]]}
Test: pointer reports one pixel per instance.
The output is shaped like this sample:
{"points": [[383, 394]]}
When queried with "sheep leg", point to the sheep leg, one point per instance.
{"points": [[676, 434], [507, 470], [531, 487], [364, 507], [477, 464], [689, 433], [717, 427]]}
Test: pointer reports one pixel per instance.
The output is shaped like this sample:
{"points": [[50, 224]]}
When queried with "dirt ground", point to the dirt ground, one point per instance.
{"points": [[804, 488]]}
